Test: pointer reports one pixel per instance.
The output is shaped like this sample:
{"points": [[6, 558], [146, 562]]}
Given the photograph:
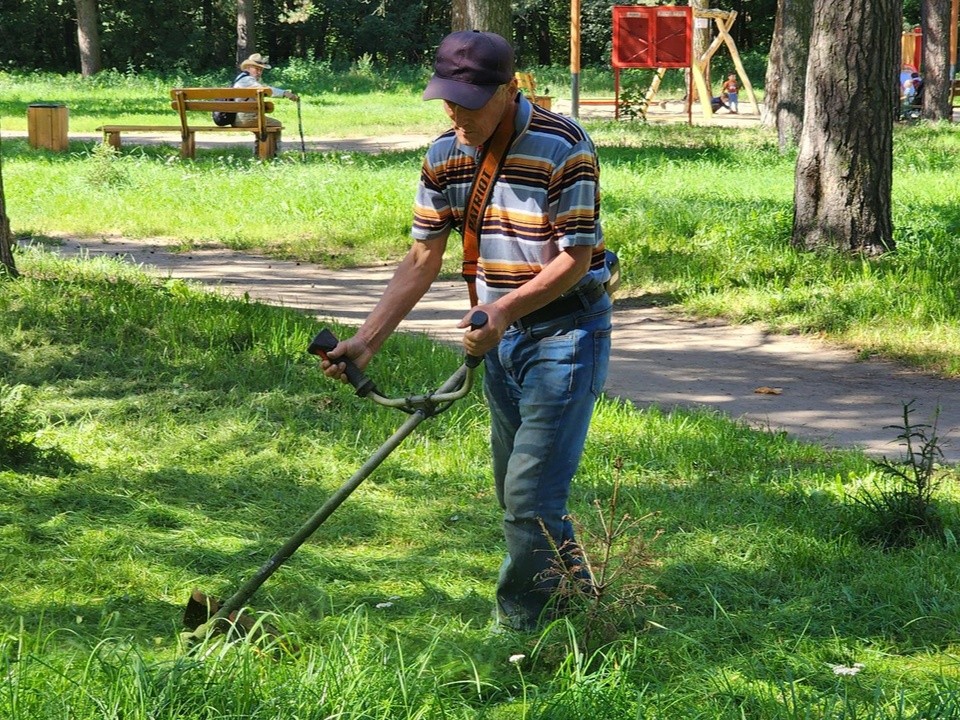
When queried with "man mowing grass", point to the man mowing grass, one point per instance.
{"points": [[521, 186]]}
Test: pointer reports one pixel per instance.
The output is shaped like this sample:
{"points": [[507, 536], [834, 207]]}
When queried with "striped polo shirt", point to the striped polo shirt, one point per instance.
{"points": [[546, 198]]}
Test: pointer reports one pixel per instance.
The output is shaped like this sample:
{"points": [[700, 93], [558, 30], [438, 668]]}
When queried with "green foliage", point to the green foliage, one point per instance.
{"points": [[633, 101], [106, 169], [17, 426], [196, 37], [906, 512]]}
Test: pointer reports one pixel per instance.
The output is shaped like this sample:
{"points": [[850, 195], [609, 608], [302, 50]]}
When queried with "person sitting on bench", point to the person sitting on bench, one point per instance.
{"points": [[251, 73]]}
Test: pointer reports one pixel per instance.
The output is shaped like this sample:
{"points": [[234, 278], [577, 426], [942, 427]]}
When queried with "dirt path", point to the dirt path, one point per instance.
{"points": [[825, 394]]}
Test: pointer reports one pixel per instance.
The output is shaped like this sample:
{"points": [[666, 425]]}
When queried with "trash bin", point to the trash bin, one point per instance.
{"points": [[47, 126]]}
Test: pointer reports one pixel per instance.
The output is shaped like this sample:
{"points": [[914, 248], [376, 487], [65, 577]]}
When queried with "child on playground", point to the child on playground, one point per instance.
{"points": [[731, 88]]}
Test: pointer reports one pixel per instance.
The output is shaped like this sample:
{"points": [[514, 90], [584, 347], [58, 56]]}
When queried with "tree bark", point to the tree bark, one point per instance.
{"points": [[787, 70], [246, 30], [8, 267], [845, 165], [543, 39], [88, 37], [487, 15], [935, 23], [702, 37]]}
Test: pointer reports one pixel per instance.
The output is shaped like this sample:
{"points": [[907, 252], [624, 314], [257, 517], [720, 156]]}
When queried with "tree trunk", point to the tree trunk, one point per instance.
{"points": [[544, 58], [246, 30], [8, 267], [487, 15], [702, 37], [845, 166], [935, 23], [787, 69], [88, 37]]}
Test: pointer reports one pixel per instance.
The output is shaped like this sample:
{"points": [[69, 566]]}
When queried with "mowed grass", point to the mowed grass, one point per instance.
{"points": [[182, 436]]}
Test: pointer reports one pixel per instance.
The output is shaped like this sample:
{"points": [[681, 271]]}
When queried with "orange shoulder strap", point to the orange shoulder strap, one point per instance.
{"points": [[489, 167]]}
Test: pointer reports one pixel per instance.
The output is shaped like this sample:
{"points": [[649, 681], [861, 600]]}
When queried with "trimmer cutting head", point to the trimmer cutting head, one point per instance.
{"points": [[198, 618]]}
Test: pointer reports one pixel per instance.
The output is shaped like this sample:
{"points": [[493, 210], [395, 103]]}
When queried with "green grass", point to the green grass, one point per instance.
{"points": [[332, 104], [701, 217], [157, 438], [182, 436], [359, 102]]}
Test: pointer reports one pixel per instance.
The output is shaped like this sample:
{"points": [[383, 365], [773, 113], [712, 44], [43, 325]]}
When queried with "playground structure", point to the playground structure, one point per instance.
{"points": [[724, 22], [661, 38]]}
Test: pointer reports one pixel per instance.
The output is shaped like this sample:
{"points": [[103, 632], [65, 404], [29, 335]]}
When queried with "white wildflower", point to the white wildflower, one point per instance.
{"points": [[515, 659], [848, 671], [383, 605]]}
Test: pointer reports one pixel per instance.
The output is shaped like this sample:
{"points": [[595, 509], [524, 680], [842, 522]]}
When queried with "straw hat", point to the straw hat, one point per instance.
{"points": [[256, 60]]}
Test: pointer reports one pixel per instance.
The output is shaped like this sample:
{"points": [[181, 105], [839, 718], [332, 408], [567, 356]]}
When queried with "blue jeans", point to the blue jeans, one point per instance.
{"points": [[541, 385]]}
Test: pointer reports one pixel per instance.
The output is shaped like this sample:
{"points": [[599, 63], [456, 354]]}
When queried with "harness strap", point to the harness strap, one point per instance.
{"points": [[489, 166]]}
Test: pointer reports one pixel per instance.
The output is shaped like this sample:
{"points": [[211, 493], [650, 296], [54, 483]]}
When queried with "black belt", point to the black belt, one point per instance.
{"points": [[574, 301]]}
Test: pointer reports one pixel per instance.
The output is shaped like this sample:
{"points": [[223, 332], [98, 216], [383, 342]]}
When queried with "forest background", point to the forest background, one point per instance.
{"points": [[193, 37]]}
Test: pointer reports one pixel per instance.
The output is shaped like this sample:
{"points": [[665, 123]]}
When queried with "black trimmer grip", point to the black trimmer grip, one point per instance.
{"points": [[324, 342], [477, 321]]}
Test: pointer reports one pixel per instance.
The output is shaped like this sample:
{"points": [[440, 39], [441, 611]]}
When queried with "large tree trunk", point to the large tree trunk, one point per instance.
{"points": [[88, 36], [246, 30], [487, 15], [787, 70], [8, 267], [935, 22], [845, 165]]}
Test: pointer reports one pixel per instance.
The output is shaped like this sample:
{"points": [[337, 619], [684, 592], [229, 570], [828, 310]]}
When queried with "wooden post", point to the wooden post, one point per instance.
{"points": [[698, 82], [954, 19], [655, 85], [575, 59]]}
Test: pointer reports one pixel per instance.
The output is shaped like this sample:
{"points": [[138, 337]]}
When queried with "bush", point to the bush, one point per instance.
{"points": [[17, 427]]}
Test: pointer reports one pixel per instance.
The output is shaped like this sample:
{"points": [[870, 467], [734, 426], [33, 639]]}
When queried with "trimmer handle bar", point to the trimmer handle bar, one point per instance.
{"points": [[324, 342], [454, 389]]}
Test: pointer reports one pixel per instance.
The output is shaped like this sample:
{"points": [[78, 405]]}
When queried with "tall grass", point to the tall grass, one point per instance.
{"points": [[186, 435]]}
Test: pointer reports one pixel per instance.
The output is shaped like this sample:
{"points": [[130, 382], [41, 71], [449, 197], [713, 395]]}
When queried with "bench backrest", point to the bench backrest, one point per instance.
{"points": [[208, 100], [526, 83]]}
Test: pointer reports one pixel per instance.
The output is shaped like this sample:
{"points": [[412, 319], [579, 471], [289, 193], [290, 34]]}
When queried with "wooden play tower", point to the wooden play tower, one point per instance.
{"points": [[724, 22], [660, 38]]}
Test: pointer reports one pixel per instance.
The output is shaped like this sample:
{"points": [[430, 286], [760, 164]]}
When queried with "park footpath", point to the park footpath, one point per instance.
{"points": [[799, 385]]}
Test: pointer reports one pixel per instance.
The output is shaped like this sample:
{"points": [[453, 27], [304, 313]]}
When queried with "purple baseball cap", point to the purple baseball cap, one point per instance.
{"points": [[469, 68]]}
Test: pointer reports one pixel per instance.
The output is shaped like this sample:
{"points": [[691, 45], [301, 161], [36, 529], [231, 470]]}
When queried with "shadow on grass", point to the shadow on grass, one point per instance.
{"points": [[245, 453]]}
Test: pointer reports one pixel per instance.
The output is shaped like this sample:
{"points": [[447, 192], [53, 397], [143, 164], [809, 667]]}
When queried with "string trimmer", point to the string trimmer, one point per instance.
{"points": [[205, 616]]}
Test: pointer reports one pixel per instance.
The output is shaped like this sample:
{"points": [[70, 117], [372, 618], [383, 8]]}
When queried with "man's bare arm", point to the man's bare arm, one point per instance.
{"points": [[409, 283]]}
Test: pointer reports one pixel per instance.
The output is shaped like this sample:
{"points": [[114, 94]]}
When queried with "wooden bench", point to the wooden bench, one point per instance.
{"points": [[528, 86], [207, 100], [955, 93]]}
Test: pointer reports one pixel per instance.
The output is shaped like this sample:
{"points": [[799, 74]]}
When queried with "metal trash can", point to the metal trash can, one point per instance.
{"points": [[47, 126]]}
